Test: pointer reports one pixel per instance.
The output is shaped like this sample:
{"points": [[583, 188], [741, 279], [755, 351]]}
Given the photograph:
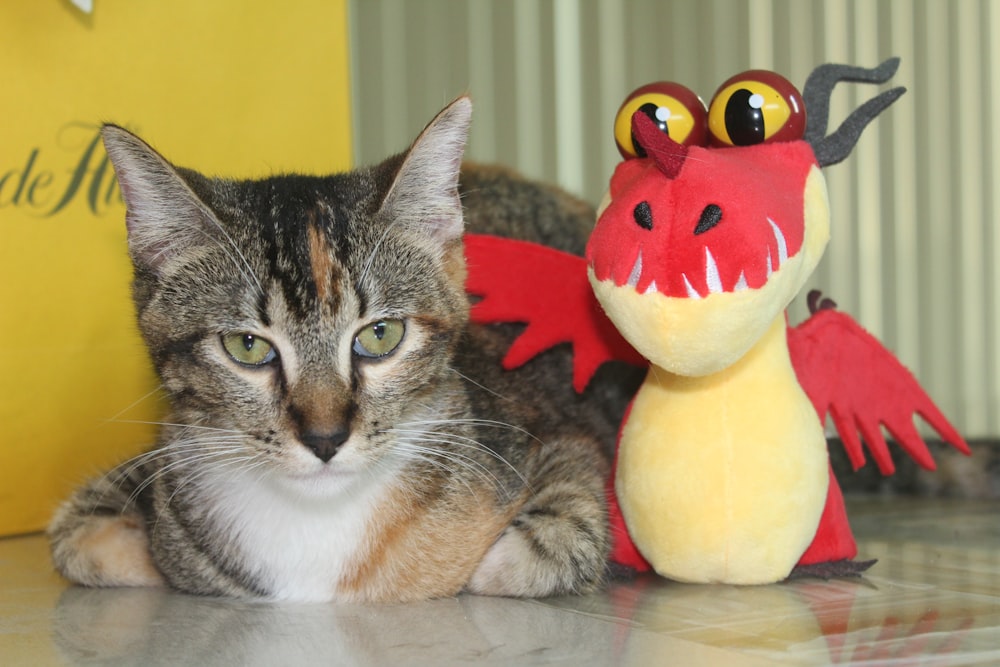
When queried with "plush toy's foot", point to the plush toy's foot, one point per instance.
{"points": [[833, 540], [617, 572], [837, 569]]}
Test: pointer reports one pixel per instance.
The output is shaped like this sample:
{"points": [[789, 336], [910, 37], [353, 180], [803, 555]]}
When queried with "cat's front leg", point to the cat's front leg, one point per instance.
{"points": [[557, 544], [99, 538]]}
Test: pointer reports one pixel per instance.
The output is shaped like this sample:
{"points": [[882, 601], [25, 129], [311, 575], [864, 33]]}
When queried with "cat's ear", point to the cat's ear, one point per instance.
{"points": [[164, 216], [424, 195]]}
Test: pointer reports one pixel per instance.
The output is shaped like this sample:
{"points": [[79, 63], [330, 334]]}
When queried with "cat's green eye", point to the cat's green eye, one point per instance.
{"points": [[379, 339], [248, 349]]}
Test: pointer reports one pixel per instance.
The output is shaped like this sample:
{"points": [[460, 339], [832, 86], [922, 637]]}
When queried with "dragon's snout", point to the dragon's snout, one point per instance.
{"points": [[706, 279], [710, 216]]}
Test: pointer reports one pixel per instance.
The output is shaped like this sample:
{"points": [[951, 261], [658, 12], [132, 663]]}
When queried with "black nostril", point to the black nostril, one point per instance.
{"points": [[324, 445], [710, 217], [643, 215]]}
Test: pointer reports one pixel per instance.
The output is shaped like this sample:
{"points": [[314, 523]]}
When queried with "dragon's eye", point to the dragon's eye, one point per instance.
{"points": [[756, 107], [675, 109]]}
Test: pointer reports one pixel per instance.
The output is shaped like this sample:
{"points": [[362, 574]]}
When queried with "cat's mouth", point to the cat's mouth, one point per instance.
{"points": [[325, 471], [325, 480], [305, 470]]}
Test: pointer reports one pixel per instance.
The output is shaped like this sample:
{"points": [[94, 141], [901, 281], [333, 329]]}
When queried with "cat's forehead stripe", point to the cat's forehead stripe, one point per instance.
{"points": [[323, 266]]}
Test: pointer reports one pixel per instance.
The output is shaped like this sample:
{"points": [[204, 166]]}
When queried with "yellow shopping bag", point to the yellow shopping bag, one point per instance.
{"points": [[233, 87]]}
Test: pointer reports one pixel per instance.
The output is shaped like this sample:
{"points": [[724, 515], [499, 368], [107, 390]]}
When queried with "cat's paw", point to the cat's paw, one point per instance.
{"points": [[537, 556], [107, 551], [507, 569]]}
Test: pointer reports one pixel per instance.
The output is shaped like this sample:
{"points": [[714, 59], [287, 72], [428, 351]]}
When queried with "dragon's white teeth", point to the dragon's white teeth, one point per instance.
{"points": [[692, 292], [651, 289], [782, 245], [713, 281], [636, 273], [712, 273]]}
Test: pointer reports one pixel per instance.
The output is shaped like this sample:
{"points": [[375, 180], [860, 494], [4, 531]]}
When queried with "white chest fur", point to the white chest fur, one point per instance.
{"points": [[298, 545]]}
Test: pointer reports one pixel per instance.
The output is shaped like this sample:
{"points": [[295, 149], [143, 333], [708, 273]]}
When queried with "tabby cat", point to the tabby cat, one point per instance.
{"points": [[338, 430]]}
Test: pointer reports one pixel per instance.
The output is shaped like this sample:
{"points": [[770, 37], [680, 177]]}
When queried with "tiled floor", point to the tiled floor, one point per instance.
{"points": [[932, 599]]}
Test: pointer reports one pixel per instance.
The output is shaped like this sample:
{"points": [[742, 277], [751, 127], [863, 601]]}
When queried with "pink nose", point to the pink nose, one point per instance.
{"points": [[668, 155]]}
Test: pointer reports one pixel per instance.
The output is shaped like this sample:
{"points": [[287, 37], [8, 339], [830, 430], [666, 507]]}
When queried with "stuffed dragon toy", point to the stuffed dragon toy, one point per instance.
{"points": [[711, 226]]}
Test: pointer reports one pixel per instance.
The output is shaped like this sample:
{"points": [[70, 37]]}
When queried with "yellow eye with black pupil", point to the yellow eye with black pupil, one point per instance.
{"points": [[676, 110], [248, 349], [756, 107], [379, 339]]}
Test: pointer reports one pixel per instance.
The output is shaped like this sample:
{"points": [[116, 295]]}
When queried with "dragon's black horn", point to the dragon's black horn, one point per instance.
{"points": [[816, 97]]}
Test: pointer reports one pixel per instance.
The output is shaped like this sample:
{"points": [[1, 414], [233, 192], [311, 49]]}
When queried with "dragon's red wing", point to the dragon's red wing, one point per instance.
{"points": [[547, 290], [849, 374]]}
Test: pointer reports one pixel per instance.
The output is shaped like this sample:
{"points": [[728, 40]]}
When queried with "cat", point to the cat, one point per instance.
{"points": [[975, 477], [338, 430]]}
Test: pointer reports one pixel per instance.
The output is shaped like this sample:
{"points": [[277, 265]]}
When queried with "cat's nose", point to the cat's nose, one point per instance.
{"points": [[324, 445]]}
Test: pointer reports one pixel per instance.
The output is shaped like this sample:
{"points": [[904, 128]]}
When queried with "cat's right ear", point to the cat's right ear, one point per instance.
{"points": [[424, 195], [164, 216]]}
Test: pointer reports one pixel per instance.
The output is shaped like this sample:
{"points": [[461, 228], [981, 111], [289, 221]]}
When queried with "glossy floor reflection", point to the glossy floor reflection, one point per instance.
{"points": [[932, 599]]}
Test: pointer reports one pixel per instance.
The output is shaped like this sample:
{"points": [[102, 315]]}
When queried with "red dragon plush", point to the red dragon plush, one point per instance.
{"points": [[711, 226]]}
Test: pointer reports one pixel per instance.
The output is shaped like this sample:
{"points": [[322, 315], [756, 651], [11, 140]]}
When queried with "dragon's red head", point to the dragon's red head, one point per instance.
{"points": [[698, 248]]}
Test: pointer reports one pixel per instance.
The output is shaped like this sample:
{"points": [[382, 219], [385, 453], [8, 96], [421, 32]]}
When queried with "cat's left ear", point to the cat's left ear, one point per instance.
{"points": [[424, 195]]}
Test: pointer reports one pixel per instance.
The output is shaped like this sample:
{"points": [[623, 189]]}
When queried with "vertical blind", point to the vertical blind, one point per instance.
{"points": [[914, 250]]}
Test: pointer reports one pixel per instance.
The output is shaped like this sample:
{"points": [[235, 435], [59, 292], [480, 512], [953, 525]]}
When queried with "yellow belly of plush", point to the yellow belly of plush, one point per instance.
{"points": [[723, 478]]}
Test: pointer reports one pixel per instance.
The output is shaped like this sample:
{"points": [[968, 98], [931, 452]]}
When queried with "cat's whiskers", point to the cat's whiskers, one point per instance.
{"points": [[124, 470], [178, 425], [473, 422], [417, 441], [458, 441], [181, 440], [477, 384], [445, 461], [239, 463], [116, 418], [213, 446], [119, 476], [219, 455], [128, 467]]}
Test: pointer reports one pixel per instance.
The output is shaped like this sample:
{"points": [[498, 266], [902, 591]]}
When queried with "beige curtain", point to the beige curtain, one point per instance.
{"points": [[915, 248]]}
